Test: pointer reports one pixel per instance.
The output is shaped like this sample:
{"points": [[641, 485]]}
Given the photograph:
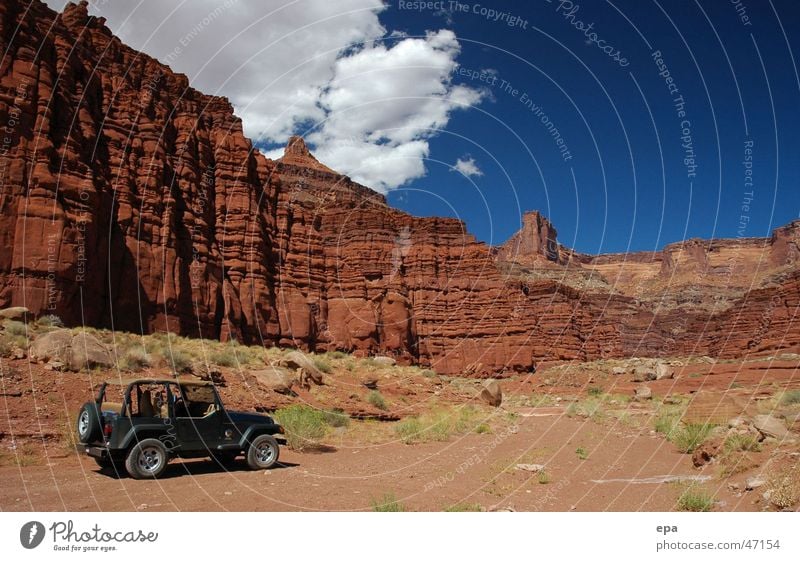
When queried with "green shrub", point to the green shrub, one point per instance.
{"points": [[595, 391], [15, 328], [322, 365], [409, 429], [791, 397], [180, 361], [544, 477], [741, 443], [695, 500], [336, 355], [375, 399], [336, 418], [483, 428], [667, 424], [49, 321], [429, 373], [387, 503], [690, 436], [304, 426], [581, 453], [225, 357], [464, 507], [135, 359]]}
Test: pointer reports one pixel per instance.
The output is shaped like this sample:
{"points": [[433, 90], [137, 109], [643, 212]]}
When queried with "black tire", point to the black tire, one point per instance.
{"points": [[89, 424], [147, 459], [263, 452]]}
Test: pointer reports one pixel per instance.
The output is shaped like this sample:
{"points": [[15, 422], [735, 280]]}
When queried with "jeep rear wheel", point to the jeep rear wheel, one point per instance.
{"points": [[263, 452], [147, 459], [89, 425]]}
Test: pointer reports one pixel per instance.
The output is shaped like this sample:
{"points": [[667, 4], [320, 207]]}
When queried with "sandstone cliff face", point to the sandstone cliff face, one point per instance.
{"points": [[134, 202]]}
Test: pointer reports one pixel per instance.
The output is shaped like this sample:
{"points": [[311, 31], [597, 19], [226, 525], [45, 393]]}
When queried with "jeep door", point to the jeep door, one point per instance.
{"points": [[197, 416]]}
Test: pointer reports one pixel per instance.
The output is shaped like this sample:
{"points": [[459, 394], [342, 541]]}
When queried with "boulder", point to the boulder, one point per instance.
{"points": [[86, 351], [664, 371], [535, 468], [52, 346], [16, 313], [370, 381], [384, 360], [296, 360], [643, 393], [707, 451], [770, 426], [277, 379], [492, 393], [643, 374], [754, 482], [619, 370]]}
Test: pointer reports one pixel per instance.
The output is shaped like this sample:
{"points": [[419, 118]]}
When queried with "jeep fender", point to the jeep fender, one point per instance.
{"points": [[257, 430]]}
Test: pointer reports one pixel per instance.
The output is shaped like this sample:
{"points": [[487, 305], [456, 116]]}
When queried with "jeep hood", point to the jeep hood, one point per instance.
{"points": [[241, 417]]}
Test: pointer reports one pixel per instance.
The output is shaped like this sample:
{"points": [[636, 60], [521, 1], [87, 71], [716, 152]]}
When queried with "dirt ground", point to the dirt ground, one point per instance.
{"points": [[613, 465]]}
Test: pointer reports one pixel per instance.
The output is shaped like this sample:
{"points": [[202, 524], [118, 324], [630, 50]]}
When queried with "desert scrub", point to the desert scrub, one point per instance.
{"points": [[387, 503], [336, 355], [15, 328], [791, 397], [375, 399], [135, 359], [695, 500], [49, 321], [667, 424], [464, 507], [439, 425], [582, 453], [690, 436], [336, 418], [322, 364], [741, 443], [304, 426], [543, 477], [428, 373], [590, 408], [784, 487]]}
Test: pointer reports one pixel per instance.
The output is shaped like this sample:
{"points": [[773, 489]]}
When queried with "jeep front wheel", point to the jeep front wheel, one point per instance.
{"points": [[263, 452], [147, 459]]}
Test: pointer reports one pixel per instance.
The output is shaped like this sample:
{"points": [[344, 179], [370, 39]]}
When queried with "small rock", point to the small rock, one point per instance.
{"points": [[384, 360], [619, 370], [15, 313], [643, 374], [738, 422], [672, 400], [664, 371], [754, 482], [643, 393], [734, 486], [535, 468], [370, 381], [492, 393], [770, 426]]}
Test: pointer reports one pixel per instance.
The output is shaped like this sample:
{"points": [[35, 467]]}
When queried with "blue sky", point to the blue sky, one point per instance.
{"points": [[485, 110], [626, 186]]}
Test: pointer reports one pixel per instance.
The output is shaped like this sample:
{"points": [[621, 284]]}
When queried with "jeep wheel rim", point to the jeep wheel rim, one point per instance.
{"points": [[150, 459], [265, 453], [83, 422]]}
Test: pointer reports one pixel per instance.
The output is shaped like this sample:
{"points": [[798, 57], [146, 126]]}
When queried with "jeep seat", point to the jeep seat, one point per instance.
{"points": [[146, 408]]}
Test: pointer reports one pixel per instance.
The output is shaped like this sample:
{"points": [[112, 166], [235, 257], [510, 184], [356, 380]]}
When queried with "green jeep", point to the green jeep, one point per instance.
{"points": [[159, 419]]}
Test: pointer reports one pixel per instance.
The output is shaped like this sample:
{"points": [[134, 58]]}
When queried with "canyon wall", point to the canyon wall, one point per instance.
{"points": [[132, 201]]}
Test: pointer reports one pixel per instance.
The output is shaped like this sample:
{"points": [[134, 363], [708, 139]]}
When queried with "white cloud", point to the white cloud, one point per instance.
{"points": [[369, 98], [467, 167]]}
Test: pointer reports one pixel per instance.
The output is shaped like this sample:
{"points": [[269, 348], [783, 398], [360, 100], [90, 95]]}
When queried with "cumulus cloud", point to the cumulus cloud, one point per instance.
{"points": [[367, 99], [467, 167]]}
